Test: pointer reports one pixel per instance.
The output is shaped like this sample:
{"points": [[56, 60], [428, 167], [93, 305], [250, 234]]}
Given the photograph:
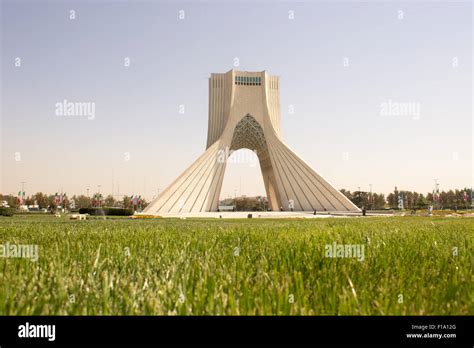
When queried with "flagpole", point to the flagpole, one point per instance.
{"points": [[436, 193], [22, 192], [112, 186]]}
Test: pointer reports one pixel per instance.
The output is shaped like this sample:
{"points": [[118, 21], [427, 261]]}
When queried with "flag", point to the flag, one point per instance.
{"points": [[400, 201], [465, 196]]}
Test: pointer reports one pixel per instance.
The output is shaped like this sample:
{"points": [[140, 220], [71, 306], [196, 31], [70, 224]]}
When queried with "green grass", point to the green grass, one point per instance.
{"points": [[190, 267]]}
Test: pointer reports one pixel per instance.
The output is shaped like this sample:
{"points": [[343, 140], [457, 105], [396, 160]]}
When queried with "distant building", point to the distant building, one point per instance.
{"points": [[226, 208], [33, 207]]}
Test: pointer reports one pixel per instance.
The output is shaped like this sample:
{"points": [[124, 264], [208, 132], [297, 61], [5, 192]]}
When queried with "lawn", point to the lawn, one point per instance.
{"points": [[411, 266]]}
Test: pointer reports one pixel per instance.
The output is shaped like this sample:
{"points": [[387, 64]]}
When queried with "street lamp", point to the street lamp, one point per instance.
{"points": [[360, 199], [98, 190], [370, 198]]}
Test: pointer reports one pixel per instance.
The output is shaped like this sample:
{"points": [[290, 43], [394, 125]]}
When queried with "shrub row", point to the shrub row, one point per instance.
{"points": [[106, 211], [6, 211]]}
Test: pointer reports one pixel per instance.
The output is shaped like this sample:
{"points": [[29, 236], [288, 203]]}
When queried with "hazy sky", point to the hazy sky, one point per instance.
{"points": [[339, 62]]}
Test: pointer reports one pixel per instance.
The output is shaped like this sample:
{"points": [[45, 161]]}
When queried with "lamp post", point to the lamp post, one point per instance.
{"points": [[360, 199], [370, 198], [98, 190]]}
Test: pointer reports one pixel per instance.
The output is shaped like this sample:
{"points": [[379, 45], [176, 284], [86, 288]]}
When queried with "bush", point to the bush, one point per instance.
{"points": [[6, 211], [119, 212], [106, 211]]}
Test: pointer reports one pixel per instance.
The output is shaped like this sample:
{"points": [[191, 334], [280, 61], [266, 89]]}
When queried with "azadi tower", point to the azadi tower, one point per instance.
{"points": [[244, 112]]}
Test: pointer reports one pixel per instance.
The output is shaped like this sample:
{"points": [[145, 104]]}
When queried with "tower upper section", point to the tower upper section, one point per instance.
{"points": [[235, 94]]}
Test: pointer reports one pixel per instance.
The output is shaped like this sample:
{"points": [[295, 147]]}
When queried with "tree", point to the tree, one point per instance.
{"points": [[52, 201], [348, 194], [392, 199], [109, 201], [143, 203], [449, 199], [378, 201], [360, 199], [83, 201], [430, 198], [243, 204], [29, 201], [421, 202], [12, 201], [365, 199], [65, 203], [41, 199], [127, 202]]}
